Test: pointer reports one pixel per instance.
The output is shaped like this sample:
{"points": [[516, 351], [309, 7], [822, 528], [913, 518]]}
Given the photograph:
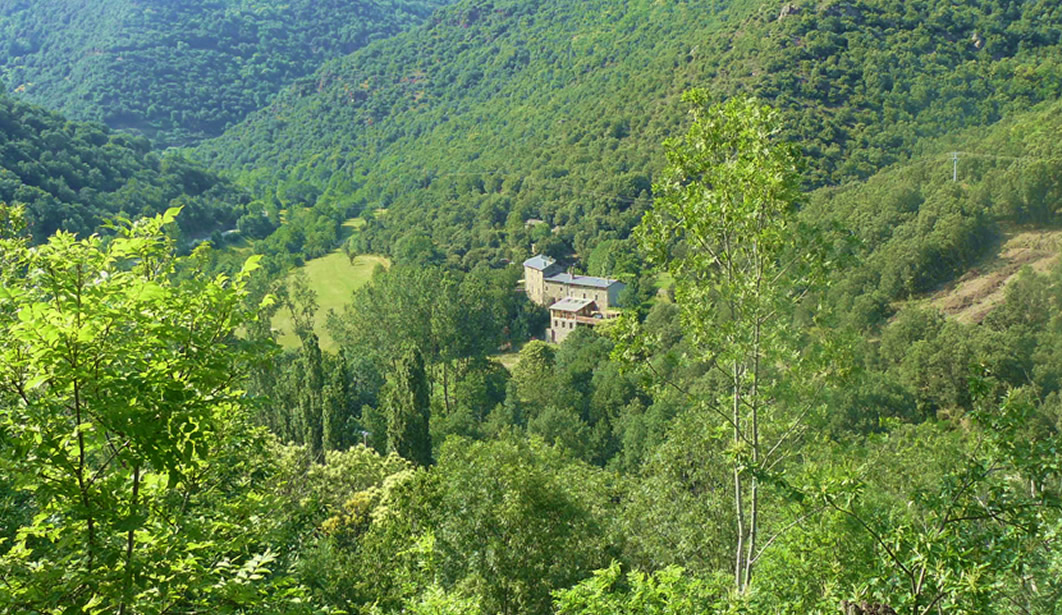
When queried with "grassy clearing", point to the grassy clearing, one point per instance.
{"points": [[664, 284], [664, 281], [507, 359], [971, 297], [334, 278]]}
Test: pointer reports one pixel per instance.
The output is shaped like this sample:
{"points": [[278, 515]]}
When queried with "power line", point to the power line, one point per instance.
{"points": [[954, 157], [955, 160], [1016, 158]]}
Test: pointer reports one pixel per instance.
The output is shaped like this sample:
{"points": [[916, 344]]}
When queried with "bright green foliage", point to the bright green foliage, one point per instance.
{"points": [[573, 397], [682, 511], [929, 498], [454, 320], [123, 430], [446, 316], [309, 396], [311, 400], [950, 516], [179, 72], [336, 507], [723, 226], [478, 389], [492, 527], [954, 516], [406, 403], [669, 591], [436, 601], [532, 372], [517, 520], [933, 358], [614, 258], [329, 484]]}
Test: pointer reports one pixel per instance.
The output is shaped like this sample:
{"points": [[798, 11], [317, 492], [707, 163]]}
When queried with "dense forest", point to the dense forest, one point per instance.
{"points": [[794, 410], [178, 72], [496, 113], [72, 176]]}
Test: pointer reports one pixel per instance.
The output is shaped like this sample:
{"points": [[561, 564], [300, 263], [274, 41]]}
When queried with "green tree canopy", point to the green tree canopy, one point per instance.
{"points": [[724, 226], [122, 423], [406, 403]]}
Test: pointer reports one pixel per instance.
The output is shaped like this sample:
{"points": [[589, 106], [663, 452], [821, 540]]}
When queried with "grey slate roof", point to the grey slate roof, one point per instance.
{"points": [[570, 304], [582, 280], [539, 262]]}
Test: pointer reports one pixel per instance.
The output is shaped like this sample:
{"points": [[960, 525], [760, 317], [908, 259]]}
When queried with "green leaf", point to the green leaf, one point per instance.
{"points": [[36, 381], [171, 214], [251, 264], [149, 291], [92, 604]]}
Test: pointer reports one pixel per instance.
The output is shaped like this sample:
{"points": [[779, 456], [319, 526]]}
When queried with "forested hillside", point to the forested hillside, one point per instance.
{"points": [[180, 71], [921, 223], [73, 175], [500, 112]]}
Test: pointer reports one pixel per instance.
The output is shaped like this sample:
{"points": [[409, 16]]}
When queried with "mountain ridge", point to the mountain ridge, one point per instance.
{"points": [[180, 72]]}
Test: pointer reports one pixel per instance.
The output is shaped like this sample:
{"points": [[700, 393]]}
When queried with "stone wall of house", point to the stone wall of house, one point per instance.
{"points": [[534, 285], [560, 329]]}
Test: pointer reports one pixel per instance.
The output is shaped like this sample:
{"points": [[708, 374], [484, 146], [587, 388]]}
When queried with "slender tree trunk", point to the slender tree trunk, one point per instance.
{"points": [[81, 461], [82, 486], [754, 487], [739, 507], [130, 541]]}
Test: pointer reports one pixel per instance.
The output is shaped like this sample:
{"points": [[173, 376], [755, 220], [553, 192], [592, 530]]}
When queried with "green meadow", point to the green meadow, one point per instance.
{"points": [[334, 277]]}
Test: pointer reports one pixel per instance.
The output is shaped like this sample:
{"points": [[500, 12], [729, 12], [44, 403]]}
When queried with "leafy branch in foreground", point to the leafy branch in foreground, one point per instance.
{"points": [[123, 430]]}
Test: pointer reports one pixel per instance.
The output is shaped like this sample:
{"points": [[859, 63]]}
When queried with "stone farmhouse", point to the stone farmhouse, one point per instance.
{"points": [[573, 300]]}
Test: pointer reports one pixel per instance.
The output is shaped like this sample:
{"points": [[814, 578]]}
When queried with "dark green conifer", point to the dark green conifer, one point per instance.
{"points": [[406, 404]]}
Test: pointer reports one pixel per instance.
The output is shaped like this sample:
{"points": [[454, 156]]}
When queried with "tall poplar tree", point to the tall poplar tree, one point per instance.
{"points": [[723, 225], [407, 406]]}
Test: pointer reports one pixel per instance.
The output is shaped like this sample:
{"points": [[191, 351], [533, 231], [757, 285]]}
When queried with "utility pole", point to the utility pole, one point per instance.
{"points": [[954, 167]]}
